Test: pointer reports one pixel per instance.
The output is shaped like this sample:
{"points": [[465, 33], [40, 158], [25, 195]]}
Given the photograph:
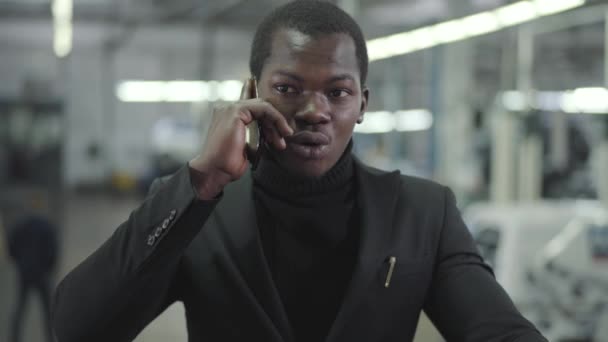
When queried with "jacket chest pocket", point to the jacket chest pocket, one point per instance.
{"points": [[403, 281], [393, 310]]}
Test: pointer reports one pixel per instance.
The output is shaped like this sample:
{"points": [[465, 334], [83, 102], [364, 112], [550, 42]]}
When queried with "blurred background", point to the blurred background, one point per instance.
{"points": [[504, 101]]}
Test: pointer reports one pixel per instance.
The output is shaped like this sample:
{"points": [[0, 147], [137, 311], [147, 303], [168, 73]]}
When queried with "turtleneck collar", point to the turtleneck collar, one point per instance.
{"points": [[275, 179]]}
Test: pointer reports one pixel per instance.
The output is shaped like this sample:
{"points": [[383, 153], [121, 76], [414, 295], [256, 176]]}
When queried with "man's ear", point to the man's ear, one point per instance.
{"points": [[364, 99]]}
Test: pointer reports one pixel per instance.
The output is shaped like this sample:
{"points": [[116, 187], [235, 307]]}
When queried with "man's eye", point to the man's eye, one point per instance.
{"points": [[285, 89], [338, 93]]}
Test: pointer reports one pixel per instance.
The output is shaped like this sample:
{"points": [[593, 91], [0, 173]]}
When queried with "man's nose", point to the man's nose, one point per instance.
{"points": [[315, 110]]}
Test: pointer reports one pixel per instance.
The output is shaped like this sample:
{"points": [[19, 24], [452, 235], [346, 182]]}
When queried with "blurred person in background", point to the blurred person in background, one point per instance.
{"points": [[32, 245], [3, 248], [311, 245]]}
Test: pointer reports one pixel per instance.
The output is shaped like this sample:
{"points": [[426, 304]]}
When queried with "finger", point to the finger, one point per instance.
{"points": [[272, 136], [246, 90], [265, 112]]}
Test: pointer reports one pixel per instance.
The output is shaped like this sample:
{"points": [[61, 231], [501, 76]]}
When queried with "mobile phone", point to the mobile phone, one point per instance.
{"points": [[254, 136]]}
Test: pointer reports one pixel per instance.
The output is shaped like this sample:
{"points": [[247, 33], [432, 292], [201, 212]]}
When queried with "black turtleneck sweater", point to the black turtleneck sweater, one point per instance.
{"points": [[309, 231]]}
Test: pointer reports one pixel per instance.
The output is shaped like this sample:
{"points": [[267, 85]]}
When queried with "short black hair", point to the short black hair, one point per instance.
{"points": [[313, 18]]}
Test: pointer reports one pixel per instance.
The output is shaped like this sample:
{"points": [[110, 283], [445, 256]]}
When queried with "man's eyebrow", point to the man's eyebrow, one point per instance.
{"points": [[341, 77], [336, 78], [290, 75]]}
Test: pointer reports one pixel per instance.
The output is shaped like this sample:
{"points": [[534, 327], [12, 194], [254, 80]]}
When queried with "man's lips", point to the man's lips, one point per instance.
{"points": [[308, 138], [308, 145]]}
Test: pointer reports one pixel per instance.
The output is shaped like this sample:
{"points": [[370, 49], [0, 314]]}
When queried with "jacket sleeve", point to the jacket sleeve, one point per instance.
{"points": [[114, 293], [465, 302]]}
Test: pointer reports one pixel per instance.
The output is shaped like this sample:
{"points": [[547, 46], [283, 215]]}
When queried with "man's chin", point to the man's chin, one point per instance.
{"points": [[307, 153], [301, 166], [305, 168]]}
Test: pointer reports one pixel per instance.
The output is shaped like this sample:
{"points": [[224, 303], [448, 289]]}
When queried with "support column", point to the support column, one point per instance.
{"points": [[530, 162], [454, 119], [454, 131], [530, 165], [502, 184], [600, 153]]}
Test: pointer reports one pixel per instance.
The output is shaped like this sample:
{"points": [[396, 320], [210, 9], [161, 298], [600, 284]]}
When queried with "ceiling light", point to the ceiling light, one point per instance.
{"points": [[178, 91], [517, 13], [471, 26], [213, 91], [62, 11], [376, 122], [514, 101], [413, 120], [397, 44], [481, 23], [547, 7], [62, 40], [581, 100], [423, 38], [230, 90], [449, 31], [585, 100], [186, 91], [401, 121], [141, 91]]}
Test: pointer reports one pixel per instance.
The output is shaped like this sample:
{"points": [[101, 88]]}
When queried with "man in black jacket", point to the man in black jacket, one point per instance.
{"points": [[312, 245]]}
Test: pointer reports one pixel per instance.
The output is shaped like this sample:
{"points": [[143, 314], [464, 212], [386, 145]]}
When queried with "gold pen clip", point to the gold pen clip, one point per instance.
{"points": [[391, 267]]}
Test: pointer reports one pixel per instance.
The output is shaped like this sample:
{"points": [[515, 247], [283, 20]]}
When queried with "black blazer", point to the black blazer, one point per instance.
{"points": [[208, 255]]}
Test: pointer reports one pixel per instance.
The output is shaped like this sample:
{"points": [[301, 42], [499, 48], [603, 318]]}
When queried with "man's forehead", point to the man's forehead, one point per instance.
{"points": [[296, 40], [332, 48]]}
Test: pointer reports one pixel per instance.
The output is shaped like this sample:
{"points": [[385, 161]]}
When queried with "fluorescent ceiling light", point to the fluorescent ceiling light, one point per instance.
{"points": [[62, 40], [547, 7], [393, 45], [377, 49], [482, 23], [423, 38], [185, 91], [517, 13], [400, 43], [449, 31], [141, 91], [586, 100], [178, 91], [62, 9], [514, 101], [376, 122], [62, 27], [581, 100], [401, 121], [467, 27], [230, 90], [413, 120], [213, 91]]}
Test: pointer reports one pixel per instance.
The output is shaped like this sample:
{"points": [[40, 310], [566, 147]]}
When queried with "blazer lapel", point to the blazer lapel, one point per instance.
{"points": [[377, 199], [237, 215]]}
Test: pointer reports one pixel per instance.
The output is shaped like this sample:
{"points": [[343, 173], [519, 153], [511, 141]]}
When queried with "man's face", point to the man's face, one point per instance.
{"points": [[315, 84]]}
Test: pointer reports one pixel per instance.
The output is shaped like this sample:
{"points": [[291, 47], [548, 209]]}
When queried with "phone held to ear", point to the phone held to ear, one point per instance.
{"points": [[254, 136]]}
